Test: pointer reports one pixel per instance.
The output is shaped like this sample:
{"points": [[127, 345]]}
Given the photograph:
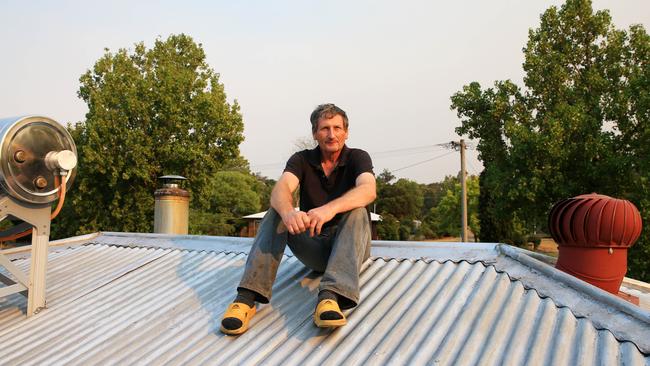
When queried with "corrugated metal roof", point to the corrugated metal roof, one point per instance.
{"points": [[155, 299]]}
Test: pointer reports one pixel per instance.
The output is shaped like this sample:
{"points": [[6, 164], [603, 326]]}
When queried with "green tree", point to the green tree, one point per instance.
{"points": [[219, 223], [385, 177], [629, 106], [150, 112], [233, 191], [399, 204], [448, 211], [388, 228], [579, 125], [264, 187], [403, 199], [432, 194], [229, 195]]}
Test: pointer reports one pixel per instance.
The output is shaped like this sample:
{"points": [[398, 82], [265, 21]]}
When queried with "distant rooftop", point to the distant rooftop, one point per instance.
{"points": [[122, 298]]}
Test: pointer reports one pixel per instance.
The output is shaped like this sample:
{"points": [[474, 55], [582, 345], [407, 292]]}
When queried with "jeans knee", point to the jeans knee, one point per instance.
{"points": [[359, 211], [358, 214], [271, 213], [271, 223]]}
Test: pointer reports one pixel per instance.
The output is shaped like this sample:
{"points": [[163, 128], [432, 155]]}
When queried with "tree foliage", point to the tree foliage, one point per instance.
{"points": [[403, 199], [578, 125], [413, 211], [388, 228], [150, 112], [447, 214], [235, 191], [229, 196], [263, 188]]}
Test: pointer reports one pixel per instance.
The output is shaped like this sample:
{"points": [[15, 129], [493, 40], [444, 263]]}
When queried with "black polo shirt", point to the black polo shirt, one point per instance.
{"points": [[315, 188]]}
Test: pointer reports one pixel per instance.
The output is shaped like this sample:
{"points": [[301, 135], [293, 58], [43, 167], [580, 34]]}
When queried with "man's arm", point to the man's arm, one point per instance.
{"points": [[282, 201], [364, 192]]}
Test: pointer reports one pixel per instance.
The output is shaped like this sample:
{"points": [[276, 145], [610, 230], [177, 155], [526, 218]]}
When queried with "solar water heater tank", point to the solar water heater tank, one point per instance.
{"points": [[33, 150], [37, 162]]}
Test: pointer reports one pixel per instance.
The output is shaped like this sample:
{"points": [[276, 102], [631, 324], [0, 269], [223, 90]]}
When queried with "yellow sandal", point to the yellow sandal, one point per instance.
{"points": [[241, 312], [328, 305]]}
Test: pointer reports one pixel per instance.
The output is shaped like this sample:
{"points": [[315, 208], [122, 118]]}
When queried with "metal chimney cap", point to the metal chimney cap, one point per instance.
{"points": [[171, 181], [173, 177]]}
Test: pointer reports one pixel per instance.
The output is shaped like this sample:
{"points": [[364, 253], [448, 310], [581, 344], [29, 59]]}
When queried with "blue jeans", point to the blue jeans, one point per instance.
{"points": [[338, 252]]}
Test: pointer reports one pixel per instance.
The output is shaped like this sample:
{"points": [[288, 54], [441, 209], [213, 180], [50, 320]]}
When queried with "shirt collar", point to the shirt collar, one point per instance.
{"points": [[314, 156]]}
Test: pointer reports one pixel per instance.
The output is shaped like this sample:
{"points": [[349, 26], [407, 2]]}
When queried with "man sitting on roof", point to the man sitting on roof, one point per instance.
{"points": [[330, 233]]}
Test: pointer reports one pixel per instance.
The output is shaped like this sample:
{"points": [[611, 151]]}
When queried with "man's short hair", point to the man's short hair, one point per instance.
{"points": [[327, 111]]}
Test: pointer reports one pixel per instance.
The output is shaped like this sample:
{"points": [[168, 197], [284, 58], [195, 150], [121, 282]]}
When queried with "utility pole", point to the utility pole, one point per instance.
{"points": [[462, 176], [463, 194]]}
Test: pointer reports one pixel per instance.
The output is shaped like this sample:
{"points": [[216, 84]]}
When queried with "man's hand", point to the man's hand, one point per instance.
{"points": [[319, 216], [297, 222]]}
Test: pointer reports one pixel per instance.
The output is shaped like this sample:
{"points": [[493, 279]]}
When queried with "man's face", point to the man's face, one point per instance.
{"points": [[331, 134]]}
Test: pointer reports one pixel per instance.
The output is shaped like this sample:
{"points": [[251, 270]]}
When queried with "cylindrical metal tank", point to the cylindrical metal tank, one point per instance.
{"points": [[172, 207], [33, 150]]}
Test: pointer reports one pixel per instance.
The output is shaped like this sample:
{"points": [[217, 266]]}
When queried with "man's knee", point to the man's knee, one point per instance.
{"points": [[271, 224], [271, 213], [358, 215]]}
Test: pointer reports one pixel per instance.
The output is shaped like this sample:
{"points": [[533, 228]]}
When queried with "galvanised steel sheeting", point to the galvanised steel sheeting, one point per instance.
{"points": [[75, 272], [163, 306]]}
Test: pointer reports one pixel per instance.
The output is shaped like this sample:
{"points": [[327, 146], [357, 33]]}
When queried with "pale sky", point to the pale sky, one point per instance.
{"points": [[391, 65]]}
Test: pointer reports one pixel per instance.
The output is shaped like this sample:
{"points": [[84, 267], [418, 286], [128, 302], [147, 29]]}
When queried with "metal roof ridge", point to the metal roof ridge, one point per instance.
{"points": [[578, 284], [166, 236], [73, 240], [179, 242], [438, 251], [441, 251], [633, 330]]}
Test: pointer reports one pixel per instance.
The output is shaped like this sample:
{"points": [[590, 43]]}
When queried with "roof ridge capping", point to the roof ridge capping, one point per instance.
{"points": [[174, 241], [628, 323], [536, 272], [486, 253]]}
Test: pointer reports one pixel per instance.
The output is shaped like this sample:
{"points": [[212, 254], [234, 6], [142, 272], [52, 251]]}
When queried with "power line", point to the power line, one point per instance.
{"points": [[404, 155], [422, 162], [441, 145], [404, 151]]}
